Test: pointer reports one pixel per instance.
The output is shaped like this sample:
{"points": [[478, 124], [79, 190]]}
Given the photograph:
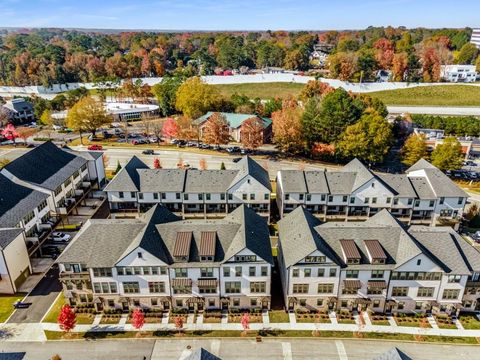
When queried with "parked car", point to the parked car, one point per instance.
{"points": [[148, 152], [236, 160], [139, 142], [233, 149], [19, 304], [57, 127], [61, 237], [50, 251], [205, 146], [95, 147], [154, 139]]}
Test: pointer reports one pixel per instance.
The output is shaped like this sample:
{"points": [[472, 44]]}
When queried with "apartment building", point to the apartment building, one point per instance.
{"points": [[458, 73], [424, 195], [160, 261], [14, 261], [378, 264], [475, 38], [191, 193]]}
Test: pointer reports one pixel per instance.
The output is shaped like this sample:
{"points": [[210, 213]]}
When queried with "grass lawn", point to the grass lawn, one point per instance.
{"points": [[411, 321], [6, 305], [85, 319], [254, 318], [444, 322], [442, 95], [55, 310], [278, 316], [261, 90], [346, 321], [469, 322], [109, 320], [378, 319]]}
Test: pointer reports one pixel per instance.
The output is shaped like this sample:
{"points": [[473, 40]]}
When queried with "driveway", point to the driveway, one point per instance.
{"points": [[41, 298]]}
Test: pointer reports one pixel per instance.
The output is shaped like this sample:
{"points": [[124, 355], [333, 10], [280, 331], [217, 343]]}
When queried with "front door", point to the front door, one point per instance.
{"points": [[166, 305], [125, 306]]}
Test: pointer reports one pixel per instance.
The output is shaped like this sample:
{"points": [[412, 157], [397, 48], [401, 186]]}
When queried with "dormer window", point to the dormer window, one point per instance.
{"points": [[315, 259], [375, 252], [140, 255], [351, 255], [207, 246], [181, 250]]}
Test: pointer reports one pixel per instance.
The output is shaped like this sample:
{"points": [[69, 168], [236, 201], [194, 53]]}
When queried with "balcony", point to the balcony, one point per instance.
{"points": [[69, 276], [65, 208]]}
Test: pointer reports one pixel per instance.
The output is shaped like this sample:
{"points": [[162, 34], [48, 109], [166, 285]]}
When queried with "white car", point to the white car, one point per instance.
{"points": [[60, 237]]}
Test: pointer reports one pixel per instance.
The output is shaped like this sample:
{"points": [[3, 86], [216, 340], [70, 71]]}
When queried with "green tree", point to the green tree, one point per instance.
{"points": [[165, 92], [118, 168], [414, 149], [468, 54], [194, 98], [87, 114], [448, 155], [298, 59], [477, 63], [222, 166], [369, 139]]}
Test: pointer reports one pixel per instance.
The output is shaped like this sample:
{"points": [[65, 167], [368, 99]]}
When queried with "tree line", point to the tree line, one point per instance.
{"points": [[453, 125]]}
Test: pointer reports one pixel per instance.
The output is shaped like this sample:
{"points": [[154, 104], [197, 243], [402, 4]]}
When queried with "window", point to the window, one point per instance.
{"points": [[105, 288], [140, 255], [300, 196], [377, 274], [207, 290], [208, 196], [252, 271], [322, 197], [264, 271], [155, 196], [238, 271], [432, 203], [450, 294], [351, 274], [344, 198], [321, 272], [307, 272], [211, 302], [410, 201], [226, 271], [416, 275], [367, 200], [140, 196], [333, 272], [253, 302], [230, 196], [252, 196], [295, 273], [442, 200], [132, 194], [185, 196], [232, 287], [244, 196], [147, 270], [315, 259], [399, 291], [425, 291], [266, 196], [352, 200], [245, 258], [179, 303], [131, 287], [454, 278], [374, 200], [417, 203], [156, 287], [330, 198], [395, 201], [236, 302], [300, 288], [419, 262], [177, 196], [348, 291], [258, 287], [287, 196], [374, 291], [460, 201], [206, 272], [181, 272], [319, 302], [325, 288], [200, 196], [222, 196], [389, 200], [98, 272], [187, 289], [309, 197], [28, 217], [154, 302]]}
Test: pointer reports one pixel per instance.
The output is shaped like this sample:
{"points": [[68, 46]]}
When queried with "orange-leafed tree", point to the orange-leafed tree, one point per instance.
{"points": [[251, 133], [67, 319], [287, 127], [25, 132], [385, 53], [138, 318], [157, 164], [202, 164], [430, 65], [216, 130], [178, 323], [315, 88], [170, 128], [245, 321], [187, 129], [322, 149], [399, 66]]}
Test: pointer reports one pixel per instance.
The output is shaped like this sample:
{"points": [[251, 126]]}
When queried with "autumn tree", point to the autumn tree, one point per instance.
{"points": [[157, 164], [414, 149], [10, 133], [138, 318], [245, 321], [251, 133], [25, 132], [399, 66], [448, 155], [385, 53], [287, 127], [170, 128], [67, 318], [321, 150], [87, 114], [216, 130], [430, 65], [187, 129], [315, 88], [178, 323], [166, 94], [343, 65], [202, 164], [467, 54], [194, 98], [369, 139]]}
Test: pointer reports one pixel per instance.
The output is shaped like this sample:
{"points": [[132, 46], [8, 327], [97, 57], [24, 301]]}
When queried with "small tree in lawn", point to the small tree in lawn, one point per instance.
{"points": [[10, 133], [179, 323], [119, 167], [25, 132], [222, 166], [67, 318], [157, 164], [170, 128], [138, 319], [202, 164], [245, 321], [252, 133]]}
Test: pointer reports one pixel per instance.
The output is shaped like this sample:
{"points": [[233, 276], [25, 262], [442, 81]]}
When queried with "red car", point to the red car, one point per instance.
{"points": [[95, 147]]}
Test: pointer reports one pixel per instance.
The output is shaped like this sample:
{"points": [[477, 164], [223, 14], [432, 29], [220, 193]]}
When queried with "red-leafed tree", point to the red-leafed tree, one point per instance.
{"points": [[178, 323], [245, 321], [10, 133], [25, 132], [252, 133], [170, 128], [138, 319], [399, 66], [67, 318], [385, 52], [430, 65], [321, 149], [157, 164]]}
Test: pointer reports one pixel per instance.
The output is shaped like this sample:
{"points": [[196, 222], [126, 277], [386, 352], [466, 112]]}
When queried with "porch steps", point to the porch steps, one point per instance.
{"points": [[200, 319], [97, 319], [190, 318], [265, 317], [291, 317], [333, 317], [457, 323], [366, 318], [165, 318], [123, 319], [432, 322], [391, 320], [224, 317]]}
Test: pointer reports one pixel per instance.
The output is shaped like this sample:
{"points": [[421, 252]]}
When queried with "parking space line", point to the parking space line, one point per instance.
{"points": [[342, 354], [287, 350]]}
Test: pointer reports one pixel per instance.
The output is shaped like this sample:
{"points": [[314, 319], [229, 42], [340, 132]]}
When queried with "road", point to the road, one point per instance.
{"points": [[235, 349], [41, 298], [434, 110]]}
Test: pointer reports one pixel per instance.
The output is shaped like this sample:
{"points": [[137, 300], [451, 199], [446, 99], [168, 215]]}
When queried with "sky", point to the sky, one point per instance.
{"points": [[238, 14]]}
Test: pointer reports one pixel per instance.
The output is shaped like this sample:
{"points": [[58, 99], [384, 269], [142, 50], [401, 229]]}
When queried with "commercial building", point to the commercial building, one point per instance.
{"points": [[458, 73], [190, 193], [160, 261], [378, 264], [19, 110], [475, 38], [424, 195]]}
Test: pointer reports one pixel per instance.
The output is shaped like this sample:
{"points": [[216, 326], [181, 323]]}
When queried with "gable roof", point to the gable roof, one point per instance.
{"points": [[127, 178], [234, 120], [316, 182], [362, 173], [248, 166], [201, 354], [399, 183], [420, 165], [340, 183], [393, 354], [209, 181], [56, 166], [293, 181], [442, 186], [7, 236], [161, 180], [422, 188], [16, 201]]}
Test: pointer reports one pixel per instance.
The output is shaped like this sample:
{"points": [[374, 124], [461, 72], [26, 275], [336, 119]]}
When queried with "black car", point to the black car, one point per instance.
{"points": [[236, 160], [148, 152], [50, 251]]}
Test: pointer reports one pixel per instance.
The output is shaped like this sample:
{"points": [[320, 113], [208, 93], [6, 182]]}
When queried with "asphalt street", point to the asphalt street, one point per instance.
{"points": [[41, 298], [226, 349]]}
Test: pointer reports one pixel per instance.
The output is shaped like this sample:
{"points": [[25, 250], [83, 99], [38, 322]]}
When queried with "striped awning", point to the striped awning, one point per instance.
{"points": [[177, 282], [362, 301], [207, 283], [182, 244], [377, 284], [195, 300], [207, 243], [332, 299], [293, 300], [352, 284]]}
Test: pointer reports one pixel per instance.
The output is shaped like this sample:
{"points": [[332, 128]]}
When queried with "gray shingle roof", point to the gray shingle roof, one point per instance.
{"points": [[46, 165], [248, 166], [162, 180], [442, 186], [201, 354], [293, 181], [16, 201], [209, 181], [340, 183], [316, 182], [422, 188], [419, 165], [362, 173], [393, 354], [127, 178], [7, 236], [399, 183]]}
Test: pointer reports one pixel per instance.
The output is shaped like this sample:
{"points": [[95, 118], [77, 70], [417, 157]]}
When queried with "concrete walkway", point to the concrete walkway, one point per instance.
{"points": [[292, 318], [392, 321], [432, 322], [265, 317], [458, 324], [333, 317]]}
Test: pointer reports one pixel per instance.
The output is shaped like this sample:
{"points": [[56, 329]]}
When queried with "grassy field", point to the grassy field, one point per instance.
{"points": [[261, 90], [448, 95], [6, 305]]}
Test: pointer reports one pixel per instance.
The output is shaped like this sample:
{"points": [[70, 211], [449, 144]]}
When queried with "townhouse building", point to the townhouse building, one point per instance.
{"points": [[379, 264], [161, 261], [424, 195], [191, 193]]}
